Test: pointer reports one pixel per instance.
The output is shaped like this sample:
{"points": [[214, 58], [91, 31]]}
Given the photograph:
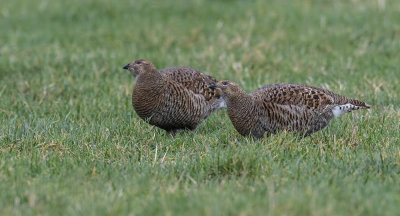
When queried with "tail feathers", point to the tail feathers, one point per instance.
{"points": [[367, 106], [360, 104]]}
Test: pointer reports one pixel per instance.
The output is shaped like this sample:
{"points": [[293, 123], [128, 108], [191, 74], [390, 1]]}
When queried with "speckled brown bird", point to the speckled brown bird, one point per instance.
{"points": [[292, 107], [173, 98]]}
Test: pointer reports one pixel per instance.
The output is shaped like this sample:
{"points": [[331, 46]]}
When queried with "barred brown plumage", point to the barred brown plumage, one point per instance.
{"points": [[173, 98], [293, 107]]}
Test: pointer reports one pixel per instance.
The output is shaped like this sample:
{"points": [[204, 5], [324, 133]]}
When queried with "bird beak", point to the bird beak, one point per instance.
{"points": [[126, 67], [212, 86], [218, 92]]}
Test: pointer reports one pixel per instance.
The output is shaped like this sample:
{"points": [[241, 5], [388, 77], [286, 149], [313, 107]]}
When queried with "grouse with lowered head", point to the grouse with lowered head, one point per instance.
{"points": [[298, 108]]}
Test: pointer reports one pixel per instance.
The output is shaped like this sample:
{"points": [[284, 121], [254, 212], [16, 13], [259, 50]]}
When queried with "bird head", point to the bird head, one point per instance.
{"points": [[139, 66], [229, 89]]}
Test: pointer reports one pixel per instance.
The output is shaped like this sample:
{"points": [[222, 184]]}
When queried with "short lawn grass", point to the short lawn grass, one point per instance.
{"points": [[71, 144]]}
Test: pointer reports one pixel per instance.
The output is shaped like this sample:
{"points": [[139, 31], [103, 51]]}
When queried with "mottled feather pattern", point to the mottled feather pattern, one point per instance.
{"points": [[293, 107], [182, 107], [311, 97], [172, 98], [182, 97], [192, 79]]}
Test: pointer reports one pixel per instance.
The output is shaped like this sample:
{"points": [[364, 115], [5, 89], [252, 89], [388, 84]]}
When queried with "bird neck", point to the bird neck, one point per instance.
{"points": [[240, 103], [240, 111], [150, 79]]}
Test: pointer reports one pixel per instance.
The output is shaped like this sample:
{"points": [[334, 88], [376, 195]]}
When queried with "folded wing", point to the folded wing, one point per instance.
{"points": [[193, 80]]}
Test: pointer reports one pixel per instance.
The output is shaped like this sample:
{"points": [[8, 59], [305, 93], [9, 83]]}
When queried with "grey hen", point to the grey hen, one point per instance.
{"points": [[298, 108], [173, 98]]}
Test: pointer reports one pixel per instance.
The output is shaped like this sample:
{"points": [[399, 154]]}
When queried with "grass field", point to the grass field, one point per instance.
{"points": [[71, 144]]}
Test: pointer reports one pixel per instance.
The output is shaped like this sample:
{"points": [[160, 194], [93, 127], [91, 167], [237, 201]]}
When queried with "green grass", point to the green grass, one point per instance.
{"points": [[71, 144]]}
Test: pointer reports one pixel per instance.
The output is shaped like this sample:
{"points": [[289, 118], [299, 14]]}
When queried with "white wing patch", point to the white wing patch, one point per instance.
{"points": [[345, 108]]}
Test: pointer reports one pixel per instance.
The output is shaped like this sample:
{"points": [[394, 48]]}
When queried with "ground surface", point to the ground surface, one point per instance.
{"points": [[70, 142]]}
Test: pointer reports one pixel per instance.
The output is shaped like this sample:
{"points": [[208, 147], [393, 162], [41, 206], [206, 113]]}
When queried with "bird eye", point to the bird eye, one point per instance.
{"points": [[139, 62], [225, 83]]}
